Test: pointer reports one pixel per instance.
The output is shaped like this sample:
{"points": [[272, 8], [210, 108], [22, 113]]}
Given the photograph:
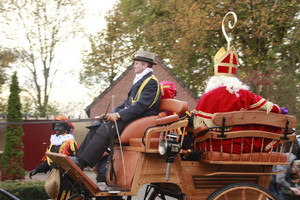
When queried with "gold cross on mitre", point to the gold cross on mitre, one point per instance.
{"points": [[226, 61]]}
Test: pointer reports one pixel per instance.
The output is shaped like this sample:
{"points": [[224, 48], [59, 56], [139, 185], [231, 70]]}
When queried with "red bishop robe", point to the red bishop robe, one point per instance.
{"points": [[220, 100]]}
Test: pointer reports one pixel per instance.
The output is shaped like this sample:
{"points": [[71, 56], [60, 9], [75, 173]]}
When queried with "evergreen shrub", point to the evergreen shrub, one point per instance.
{"points": [[27, 190]]}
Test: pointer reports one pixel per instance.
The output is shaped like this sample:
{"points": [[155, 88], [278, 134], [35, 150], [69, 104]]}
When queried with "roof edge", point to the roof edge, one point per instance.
{"points": [[87, 109]]}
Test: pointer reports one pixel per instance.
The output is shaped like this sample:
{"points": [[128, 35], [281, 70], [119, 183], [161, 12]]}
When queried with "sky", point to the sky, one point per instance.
{"points": [[68, 89]]}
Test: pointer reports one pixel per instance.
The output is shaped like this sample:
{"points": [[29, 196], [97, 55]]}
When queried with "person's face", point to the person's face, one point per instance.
{"points": [[139, 66], [59, 129]]}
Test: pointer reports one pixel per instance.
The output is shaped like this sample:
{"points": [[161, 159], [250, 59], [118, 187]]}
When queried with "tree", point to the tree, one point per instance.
{"points": [[177, 32], [109, 54], [186, 34], [7, 57], [12, 158], [38, 29]]}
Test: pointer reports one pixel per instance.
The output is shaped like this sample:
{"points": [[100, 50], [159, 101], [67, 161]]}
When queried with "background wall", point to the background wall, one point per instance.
{"points": [[36, 139]]}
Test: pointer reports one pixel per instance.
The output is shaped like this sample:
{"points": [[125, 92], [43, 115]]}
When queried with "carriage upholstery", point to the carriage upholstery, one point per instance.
{"points": [[133, 133], [272, 145]]}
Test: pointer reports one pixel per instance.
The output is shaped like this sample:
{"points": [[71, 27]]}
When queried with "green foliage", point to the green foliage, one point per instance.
{"points": [[12, 158], [26, 190], [104, 64], [186, 34], [14, 104], [110, 50], [6, 58]]}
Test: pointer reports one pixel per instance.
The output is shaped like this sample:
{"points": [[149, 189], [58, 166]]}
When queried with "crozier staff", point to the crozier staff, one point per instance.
{"points": [[224, 93]]}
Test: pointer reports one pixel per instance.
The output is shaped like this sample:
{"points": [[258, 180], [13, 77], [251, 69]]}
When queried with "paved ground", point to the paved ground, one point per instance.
{"points": [[91, 175]]}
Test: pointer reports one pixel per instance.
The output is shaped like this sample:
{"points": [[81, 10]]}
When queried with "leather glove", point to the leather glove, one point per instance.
{"points": [[32, 173], [112, 117]]}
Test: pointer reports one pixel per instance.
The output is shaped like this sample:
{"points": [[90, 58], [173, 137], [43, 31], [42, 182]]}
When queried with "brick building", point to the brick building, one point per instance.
{"points": [[40, 133], [122, 85]]}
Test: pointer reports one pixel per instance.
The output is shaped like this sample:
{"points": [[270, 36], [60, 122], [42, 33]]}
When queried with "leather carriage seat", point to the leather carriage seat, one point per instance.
{"points": [[135, 130]]}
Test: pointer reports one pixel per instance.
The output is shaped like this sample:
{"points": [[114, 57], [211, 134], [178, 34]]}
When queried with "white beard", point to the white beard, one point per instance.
{"points": [[232, 84]]}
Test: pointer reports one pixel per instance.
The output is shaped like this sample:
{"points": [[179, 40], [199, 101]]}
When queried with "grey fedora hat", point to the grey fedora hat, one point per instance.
{"points": [[145, 56]]}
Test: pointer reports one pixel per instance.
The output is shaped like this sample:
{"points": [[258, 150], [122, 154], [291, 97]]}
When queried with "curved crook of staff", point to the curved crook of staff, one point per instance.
{"points": [[229, 25]]}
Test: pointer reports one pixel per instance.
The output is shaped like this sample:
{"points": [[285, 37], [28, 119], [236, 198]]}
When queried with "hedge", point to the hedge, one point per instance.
{"points": [[27, 190]]}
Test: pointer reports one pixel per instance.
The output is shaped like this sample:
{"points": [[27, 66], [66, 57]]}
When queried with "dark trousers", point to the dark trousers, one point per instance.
{"points": [[102, 168], [97, 141]]}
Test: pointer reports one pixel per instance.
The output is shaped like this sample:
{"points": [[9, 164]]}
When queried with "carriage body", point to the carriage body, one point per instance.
{"points": [[192, 179], [215, 175]]}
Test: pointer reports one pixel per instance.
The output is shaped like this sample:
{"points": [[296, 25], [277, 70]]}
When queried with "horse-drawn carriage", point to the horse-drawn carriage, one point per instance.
{"points": [[149, 152]]}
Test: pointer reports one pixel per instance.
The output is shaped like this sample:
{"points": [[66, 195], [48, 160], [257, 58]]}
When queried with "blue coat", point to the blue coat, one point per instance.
{"points": [[96, 142], [130, 112]]}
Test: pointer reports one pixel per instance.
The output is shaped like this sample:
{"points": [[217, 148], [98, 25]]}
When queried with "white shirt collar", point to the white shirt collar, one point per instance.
{"points": [[141, 75]]}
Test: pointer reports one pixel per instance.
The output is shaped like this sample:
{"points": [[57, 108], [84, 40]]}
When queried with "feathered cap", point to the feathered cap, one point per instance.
{"points": [[226, 62], [68, 125], [168, 90]]}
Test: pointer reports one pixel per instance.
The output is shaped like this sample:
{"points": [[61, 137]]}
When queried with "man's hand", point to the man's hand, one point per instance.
{"points": [[32, 173], [295, 190], [100, 118], [112, 117], [96, 170]]}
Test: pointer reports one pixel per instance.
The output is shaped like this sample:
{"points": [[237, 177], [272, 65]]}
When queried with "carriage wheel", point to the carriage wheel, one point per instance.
{"points": [[242, 191], [162, 191], [154, 195]]}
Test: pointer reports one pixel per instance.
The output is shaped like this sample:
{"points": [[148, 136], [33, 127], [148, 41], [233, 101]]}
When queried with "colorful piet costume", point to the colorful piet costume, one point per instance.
{"points": [[168, 91], [224, 93], [60, 143]]}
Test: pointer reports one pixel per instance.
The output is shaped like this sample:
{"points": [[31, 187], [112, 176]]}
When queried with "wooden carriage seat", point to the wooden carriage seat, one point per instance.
{"points": [[133, 133], [247, 145]]}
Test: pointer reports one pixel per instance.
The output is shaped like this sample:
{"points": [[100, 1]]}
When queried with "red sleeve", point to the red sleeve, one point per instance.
{"points": [[252, 101]]}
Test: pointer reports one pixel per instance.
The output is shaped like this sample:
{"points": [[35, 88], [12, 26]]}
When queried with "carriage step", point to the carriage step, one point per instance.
{"points": [[111, 189]]}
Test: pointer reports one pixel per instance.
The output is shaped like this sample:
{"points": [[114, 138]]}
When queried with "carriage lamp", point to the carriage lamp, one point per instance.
{"points": [[171, 147]]}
